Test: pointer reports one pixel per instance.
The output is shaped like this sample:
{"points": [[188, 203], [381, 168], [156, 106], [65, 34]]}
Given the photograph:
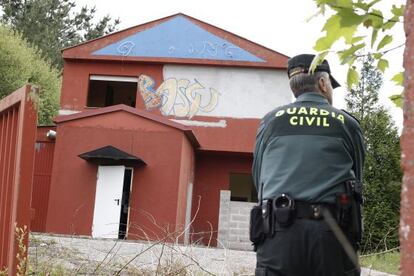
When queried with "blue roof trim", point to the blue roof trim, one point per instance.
{"points": [[177, 38]]}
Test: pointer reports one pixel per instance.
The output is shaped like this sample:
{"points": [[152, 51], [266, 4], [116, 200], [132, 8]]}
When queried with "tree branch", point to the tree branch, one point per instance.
{"points": [[381, 52], [367, 13]]}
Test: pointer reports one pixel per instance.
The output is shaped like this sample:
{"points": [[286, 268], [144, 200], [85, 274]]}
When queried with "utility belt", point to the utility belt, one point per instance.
{"points": [[283, 210]]}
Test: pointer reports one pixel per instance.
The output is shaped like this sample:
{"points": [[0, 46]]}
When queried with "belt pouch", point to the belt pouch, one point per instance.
{"points": [[256, 233]]}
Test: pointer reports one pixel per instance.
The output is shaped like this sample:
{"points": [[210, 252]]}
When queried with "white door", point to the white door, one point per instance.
{"points": [[108, 198]]}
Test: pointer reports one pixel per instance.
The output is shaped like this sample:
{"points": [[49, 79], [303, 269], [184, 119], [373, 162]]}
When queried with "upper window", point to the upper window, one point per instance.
{"points": [[111, 90]]}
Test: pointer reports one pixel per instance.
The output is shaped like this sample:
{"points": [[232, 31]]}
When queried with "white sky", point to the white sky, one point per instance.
{"points": [[278, 25]]}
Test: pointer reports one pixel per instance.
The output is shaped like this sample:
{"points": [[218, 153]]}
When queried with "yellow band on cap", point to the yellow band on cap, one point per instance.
{"points": [[296, 71]]}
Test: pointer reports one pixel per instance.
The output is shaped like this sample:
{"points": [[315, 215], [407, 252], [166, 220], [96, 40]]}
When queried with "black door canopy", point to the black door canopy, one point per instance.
{"points": [[110, 155]]}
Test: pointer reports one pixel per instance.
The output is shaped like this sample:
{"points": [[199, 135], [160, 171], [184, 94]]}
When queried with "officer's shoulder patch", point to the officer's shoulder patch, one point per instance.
{"points": [[351, 116]]}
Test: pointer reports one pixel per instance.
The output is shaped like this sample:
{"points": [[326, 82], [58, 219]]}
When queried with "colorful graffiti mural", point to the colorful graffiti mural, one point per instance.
{"points": [[179, 98]]}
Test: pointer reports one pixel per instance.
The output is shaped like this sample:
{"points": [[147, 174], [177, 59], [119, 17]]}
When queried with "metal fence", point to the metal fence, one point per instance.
{"points": [[41, 178], [18, 119]]}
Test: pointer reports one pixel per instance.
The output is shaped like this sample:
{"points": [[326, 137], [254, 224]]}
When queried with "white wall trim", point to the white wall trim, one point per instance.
{"points": [[188, 213], [67, 112], [221, 123], [113, 78]]}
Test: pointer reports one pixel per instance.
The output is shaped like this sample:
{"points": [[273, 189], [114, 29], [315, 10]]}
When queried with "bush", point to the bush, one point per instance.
{"points": [[20, 64]]}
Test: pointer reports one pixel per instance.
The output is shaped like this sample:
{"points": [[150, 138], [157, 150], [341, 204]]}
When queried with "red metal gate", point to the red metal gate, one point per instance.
{"points": [[18, 119], [41, 178]]}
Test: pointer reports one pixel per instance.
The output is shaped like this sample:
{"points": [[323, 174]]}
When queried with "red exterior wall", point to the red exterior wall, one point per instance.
{"points": [[238, 136], [75, 84], [155, 186], [212, 175], [186, 177], [41, 179]]}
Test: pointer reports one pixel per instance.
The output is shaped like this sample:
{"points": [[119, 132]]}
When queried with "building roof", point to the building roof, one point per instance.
{"points": [[124, 108], [110, 155], [178, 39]]}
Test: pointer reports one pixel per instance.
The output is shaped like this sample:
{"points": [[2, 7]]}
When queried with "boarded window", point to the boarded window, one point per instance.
{"points": [[242, 187]]}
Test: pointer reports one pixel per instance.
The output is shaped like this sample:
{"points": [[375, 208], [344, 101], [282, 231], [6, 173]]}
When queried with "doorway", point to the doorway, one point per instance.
{"points": [[126, 193], [111, 213]]}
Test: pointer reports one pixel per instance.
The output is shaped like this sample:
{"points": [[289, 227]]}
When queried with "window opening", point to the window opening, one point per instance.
{"points": [[106, 93], [242, 187]]}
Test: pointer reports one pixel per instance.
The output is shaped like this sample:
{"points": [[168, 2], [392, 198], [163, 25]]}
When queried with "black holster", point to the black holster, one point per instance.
{"points": [[256, 234], [356, 210], [349, 213], [261, 223], [284, 209]]}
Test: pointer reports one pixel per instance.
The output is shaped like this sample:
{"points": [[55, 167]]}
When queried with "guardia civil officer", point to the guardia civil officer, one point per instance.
{"points": [[307, 169]]}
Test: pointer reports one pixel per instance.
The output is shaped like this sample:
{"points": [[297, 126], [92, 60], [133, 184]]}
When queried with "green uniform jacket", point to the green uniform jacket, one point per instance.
{"points": [[307, 149]]}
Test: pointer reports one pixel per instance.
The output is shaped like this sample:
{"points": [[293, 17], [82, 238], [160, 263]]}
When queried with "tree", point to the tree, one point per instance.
{"points": [[382, 182], [52, 25], [364, 99], [382, 172], [20, 64]]}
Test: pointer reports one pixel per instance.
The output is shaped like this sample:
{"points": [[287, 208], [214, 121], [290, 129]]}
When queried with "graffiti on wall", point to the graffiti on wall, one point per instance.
{"points": [[205, 48], [125, 48], [177, 97]]}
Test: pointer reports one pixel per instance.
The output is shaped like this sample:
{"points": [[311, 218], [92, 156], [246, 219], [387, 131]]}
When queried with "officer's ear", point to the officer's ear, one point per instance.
{"points": [[322, 84], [325, 87]]}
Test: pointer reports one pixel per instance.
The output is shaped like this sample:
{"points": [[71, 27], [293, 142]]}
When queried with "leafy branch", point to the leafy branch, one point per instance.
{"points": [[345, 24]]}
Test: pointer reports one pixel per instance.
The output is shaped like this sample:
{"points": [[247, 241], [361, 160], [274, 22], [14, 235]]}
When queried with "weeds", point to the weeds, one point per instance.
{"points": [[161, 253], [158, 258], [21, 237], [21, 255], [387, 261]]}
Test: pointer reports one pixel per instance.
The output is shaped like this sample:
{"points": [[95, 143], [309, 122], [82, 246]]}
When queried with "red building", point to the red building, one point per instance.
{"points": [[155, 121]]}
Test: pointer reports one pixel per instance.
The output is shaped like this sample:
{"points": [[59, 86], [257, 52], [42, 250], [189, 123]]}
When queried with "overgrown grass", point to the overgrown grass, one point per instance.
{"points": [[387, 262], [49, 258], [163, 256]]}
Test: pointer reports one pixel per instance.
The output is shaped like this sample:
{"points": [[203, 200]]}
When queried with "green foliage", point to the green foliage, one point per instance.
{"points": [[397, 99], [382, 178], [352, 76], [52, 25], [353, 20], [382, 172], [20, 64], [385, 41], [363, 98], [398, 78]]}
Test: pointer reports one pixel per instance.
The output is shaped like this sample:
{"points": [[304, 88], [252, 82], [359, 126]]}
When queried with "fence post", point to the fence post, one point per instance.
{"points": [[18, 122]]}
